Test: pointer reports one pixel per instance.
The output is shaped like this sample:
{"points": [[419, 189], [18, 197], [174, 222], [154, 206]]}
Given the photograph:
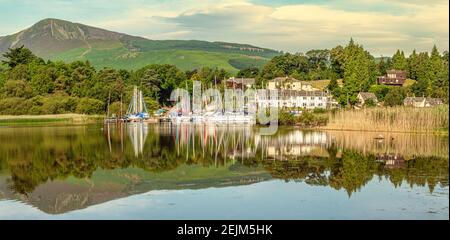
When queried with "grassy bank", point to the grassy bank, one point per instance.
{"points": [[391, 119], [71, 118]]}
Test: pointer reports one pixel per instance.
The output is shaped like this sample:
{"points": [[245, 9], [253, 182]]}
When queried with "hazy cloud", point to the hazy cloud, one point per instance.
{"points": [[381, 26]]}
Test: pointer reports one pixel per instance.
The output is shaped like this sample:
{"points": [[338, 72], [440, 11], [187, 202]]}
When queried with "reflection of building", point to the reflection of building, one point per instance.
{"points": [[422, 101], [391, 160], [137, 133], [393, 77], [293, 99], [295, 143]]}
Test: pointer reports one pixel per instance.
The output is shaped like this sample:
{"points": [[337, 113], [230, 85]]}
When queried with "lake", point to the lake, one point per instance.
{"points": [[163, 171]]}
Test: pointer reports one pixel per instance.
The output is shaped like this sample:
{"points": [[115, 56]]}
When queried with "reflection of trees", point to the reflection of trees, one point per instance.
{"points": [[353, 170], [35, 156]]}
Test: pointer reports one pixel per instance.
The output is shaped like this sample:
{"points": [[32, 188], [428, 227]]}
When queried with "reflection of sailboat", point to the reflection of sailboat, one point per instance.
{"points": [[137, 110], [138, 134]]}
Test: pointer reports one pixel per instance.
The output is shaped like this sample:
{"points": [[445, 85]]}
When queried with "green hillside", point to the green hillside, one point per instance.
{"points": [[62, 40]]}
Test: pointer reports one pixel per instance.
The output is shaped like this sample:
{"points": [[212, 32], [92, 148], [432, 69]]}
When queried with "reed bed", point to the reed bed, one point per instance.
{"points": [[391, 119]]}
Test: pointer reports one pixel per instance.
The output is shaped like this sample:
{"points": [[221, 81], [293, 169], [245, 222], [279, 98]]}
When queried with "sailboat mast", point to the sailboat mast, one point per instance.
{"points": [[135, 100]]}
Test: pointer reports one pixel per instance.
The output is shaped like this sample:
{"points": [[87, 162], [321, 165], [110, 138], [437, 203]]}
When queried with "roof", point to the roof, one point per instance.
{"points": [[395, 71], [367, 95], [245, 81], [433, 101], [283, 79]]}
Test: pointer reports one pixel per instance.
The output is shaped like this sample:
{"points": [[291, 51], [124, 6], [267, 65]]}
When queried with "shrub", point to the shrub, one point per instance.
{"points": [[286, 118], [380, 91], [115, 109], [308, 119], [15, 106], [90, 106], [395, 97], [370, 103], [17, 88]]}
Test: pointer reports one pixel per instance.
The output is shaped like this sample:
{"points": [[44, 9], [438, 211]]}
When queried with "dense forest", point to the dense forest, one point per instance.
{"points": [[32, 85]]}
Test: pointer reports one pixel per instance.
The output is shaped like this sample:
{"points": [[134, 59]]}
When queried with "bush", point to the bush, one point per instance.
{"points": [[370, 103], [152, 105], [15, 106], [17, 88], [308, 119], [58, 104], [380, 91], [395, 97], [90, 106], [286, 118], [114, 109]]}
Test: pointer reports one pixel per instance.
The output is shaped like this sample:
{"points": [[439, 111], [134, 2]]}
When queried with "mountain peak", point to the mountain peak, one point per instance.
{"points": [[52, 35], [57, 39]]}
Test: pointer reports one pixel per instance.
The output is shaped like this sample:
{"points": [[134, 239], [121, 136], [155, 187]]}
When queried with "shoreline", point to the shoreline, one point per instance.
{"points": [[74, 118], [14, 120]]}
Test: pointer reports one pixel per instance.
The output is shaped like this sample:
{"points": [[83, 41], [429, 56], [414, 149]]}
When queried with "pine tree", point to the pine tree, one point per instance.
{"points": [[399, 61], [438, 73], [359, 72], [382, 67], [413, 65]]}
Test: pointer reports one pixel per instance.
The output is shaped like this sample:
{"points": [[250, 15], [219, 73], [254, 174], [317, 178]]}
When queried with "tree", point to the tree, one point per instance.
{"points": [[318, 58], [380, 91], [358, 72], [17, 88], [438, 72], [337, 58], [17, 56], [251, 72], [399, 61], [285, 65], [395, 97], [163, 79], [382, 66], [413, 65], [422, 87], [333, 88]]}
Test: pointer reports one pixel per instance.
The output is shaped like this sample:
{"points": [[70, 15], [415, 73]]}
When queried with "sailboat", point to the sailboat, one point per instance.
{"points": [[137, 110]]}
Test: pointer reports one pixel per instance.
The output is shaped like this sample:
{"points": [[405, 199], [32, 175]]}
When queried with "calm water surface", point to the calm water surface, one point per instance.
{"points": [[140, 171]]}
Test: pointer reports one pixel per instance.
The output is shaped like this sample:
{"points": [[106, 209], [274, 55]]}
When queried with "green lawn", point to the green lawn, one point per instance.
{"points": [[115, 55]]}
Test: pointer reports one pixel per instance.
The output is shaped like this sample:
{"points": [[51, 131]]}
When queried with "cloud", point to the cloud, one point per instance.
{"points": [[381, 26], [300, 27]]}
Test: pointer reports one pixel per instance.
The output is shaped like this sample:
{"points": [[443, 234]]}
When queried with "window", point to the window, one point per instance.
{"points": [[312, 104], [320, 98], [304, 104], [304, 98], [320, 104]]}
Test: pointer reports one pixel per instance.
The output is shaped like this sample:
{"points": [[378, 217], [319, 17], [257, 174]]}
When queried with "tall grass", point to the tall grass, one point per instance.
{"points": [[391, 119]]}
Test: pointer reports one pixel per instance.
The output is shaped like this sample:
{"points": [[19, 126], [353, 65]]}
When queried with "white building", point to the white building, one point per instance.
{"points": [[289, 83], [293, 99]]}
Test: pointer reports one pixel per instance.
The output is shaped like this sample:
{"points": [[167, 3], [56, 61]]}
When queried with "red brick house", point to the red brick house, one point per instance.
{"points": [[393, 78]]}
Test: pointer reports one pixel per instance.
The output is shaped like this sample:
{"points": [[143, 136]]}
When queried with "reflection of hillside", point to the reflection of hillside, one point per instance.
{"points": [[60, 169], [58, 196]]}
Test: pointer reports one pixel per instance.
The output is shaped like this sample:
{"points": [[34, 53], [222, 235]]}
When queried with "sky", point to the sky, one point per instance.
{"points": [[381, 26]]}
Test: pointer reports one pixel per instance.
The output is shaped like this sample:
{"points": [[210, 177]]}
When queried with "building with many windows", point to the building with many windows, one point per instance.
{"points": [[293, 99], [393, 78], [289, 83]]}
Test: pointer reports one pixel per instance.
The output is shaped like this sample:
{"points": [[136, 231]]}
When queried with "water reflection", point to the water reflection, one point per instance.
{"points": [[59, 169]]}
